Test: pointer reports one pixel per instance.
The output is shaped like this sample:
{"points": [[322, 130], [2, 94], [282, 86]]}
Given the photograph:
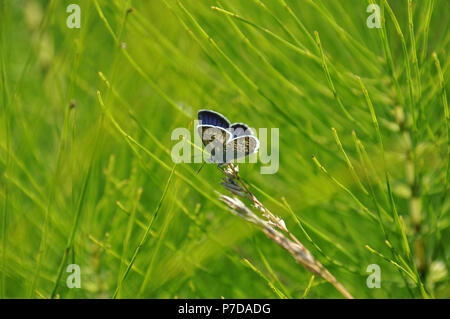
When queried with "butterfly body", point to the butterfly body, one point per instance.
{"points": [[223, 140]]}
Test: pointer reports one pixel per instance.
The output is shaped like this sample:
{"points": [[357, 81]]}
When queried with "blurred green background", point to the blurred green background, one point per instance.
{"points": [[80, 183]]}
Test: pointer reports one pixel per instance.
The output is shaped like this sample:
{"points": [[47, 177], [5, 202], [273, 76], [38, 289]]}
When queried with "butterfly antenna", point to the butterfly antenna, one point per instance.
{"points": [[203, 164]]}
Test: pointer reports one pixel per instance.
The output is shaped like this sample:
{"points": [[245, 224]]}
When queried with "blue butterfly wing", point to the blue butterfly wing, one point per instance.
{"points": [[213, 130], [207, 117], [240, 129]]}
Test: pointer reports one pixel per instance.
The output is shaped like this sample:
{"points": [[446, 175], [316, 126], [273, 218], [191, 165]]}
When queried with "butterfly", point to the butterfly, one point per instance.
{"points": [[223, 140]]}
